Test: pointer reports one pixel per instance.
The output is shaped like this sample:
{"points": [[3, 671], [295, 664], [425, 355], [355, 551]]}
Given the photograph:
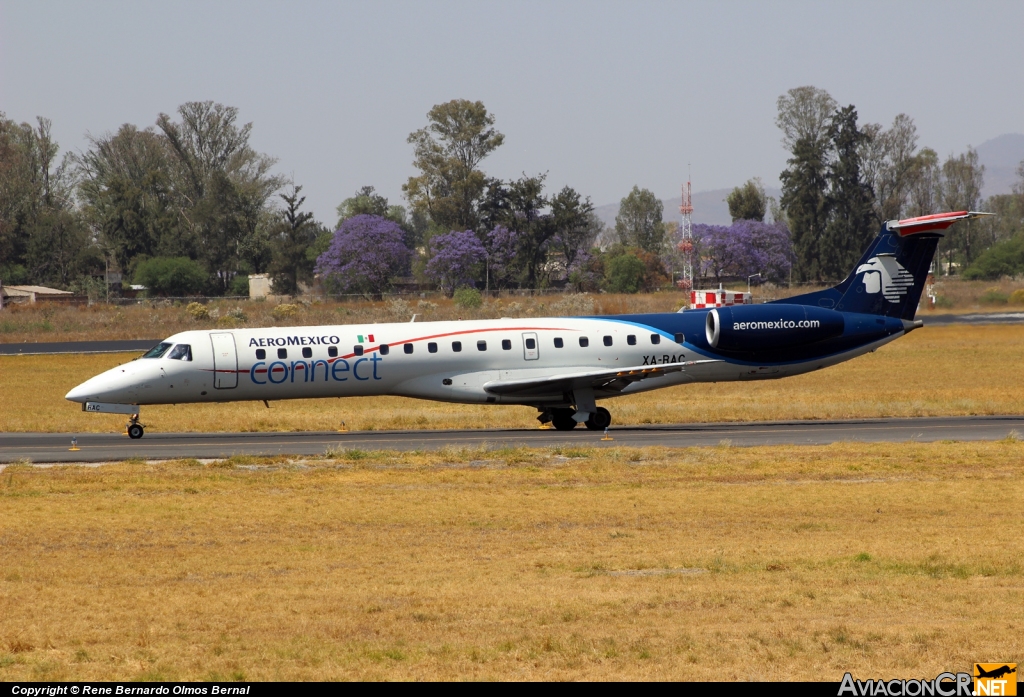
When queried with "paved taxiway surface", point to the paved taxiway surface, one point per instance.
{"points": [[35, 349], [978, 318], [100, 447]]}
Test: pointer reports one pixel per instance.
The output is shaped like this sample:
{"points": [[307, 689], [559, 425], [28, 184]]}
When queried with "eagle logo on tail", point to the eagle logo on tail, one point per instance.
{"points": [[887, 276]]}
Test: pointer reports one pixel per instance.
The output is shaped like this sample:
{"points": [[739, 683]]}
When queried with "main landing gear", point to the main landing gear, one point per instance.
{"points": [[562, 419], [134, 428]]}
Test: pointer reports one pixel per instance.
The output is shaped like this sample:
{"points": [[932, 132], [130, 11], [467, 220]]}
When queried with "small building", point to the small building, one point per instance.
{"points": [[259, 285], [33, 294]]}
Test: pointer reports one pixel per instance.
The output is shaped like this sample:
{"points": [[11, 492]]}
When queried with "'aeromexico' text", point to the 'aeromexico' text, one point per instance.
{"points": [[294, 341], [778, 324]]}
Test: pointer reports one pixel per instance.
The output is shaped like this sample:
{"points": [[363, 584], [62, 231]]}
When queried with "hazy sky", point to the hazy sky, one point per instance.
{"points": [[601, 95]]}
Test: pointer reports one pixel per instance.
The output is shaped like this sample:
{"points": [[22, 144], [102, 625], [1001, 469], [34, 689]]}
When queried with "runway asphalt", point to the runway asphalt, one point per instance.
{"points": [[34, 349], [102, 447], [977, 318]]}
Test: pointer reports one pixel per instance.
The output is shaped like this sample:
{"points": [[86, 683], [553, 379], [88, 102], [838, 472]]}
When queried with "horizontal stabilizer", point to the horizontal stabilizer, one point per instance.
{"points": [[929, 223], [616, 379]]}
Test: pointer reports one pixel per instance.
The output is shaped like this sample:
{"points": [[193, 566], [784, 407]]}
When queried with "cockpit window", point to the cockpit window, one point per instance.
{"points": [[157, 351], [181, 352]]}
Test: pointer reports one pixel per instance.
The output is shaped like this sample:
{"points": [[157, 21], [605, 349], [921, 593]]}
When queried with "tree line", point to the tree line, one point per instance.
{"points": [[188, 207], [845, 178]]}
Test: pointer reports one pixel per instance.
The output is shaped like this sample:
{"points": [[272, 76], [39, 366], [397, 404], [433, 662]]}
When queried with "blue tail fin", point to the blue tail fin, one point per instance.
{"points": [[889, 279]]}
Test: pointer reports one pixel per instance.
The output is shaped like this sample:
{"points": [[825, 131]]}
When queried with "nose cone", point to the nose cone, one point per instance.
{"points": [[90, 390], [115, 385], [78, 394]]}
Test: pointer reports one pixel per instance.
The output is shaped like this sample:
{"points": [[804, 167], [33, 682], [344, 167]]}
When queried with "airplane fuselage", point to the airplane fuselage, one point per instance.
{"points": [[461, 361]]}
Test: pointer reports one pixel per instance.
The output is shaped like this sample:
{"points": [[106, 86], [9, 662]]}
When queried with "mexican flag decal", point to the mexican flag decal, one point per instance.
{"points": [[365, 338]]}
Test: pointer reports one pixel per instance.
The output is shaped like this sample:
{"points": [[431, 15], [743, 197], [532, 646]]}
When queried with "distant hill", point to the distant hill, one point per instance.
{"points": [[708, 207], [1001, 157]]}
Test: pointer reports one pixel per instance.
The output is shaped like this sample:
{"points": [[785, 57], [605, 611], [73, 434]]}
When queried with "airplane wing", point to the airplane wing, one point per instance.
{"points": [[615, 380]]}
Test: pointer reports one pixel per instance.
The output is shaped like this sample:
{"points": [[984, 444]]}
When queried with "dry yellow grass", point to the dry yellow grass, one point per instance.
{"points": [[931, 372], [717, 563]]}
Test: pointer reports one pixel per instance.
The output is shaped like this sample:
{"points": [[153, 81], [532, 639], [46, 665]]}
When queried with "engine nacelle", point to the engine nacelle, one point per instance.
{"points": [[753, 328]]}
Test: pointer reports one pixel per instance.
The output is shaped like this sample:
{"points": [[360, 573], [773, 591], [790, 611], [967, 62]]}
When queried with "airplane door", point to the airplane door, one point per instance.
{"points": [[225, 361], [531, 349]]}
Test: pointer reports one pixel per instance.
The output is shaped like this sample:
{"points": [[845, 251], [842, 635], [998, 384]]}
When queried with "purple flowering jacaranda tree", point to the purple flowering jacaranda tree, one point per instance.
{"points": [[456, 260], [503, 255], [745, 248], [366, 253]]}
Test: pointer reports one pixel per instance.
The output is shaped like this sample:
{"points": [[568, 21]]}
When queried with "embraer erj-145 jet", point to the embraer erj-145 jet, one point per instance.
{"points": [[561, 365]]}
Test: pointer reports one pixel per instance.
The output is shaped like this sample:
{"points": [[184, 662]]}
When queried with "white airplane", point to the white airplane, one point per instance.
{"points": [[561, 365]]}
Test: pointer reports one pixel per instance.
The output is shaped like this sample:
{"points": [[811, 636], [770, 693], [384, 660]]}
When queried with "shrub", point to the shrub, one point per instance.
{"points": [[468, 297], [1017, 297], [993, 296], [399, 308], [171, 276], [1004, 258], [514, 309], [624, 273], [239, 314], [284, 310], [240, 285], [573, 305], [197, 311]]}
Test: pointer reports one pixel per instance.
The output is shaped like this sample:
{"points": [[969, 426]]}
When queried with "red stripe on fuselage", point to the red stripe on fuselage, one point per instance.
{"points": [[371, 349], [465, 331]]}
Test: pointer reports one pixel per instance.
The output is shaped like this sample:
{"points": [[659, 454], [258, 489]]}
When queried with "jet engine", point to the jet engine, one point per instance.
{"points": [[754, 328]]}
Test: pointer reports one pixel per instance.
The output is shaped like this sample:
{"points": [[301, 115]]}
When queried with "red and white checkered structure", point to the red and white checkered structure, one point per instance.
{"points": [[700, 299]]}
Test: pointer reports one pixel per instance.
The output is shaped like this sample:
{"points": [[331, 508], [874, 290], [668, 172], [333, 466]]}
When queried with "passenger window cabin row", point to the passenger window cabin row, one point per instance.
{"points": [[481, 345], [307, 352]]}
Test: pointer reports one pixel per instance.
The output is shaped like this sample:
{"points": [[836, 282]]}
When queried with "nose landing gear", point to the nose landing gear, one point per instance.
{"points": [[134, 428]]}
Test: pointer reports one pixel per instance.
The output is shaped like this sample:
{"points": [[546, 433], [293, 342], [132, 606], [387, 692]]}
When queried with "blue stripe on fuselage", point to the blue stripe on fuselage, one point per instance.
{"points": [[855, 335]]}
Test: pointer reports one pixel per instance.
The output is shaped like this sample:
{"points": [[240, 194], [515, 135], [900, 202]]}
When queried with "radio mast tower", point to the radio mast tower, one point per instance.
{"points": [[686, 238]]}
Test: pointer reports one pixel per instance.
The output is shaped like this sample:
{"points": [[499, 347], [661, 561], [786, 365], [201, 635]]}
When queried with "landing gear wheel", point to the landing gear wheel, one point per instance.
{"points": [[599, 420], [562, 419], [135, 431]]}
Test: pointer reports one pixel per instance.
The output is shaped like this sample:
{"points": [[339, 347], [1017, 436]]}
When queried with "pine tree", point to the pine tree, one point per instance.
{"points": [[804, 185], [850, 200], [296, 233]]}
